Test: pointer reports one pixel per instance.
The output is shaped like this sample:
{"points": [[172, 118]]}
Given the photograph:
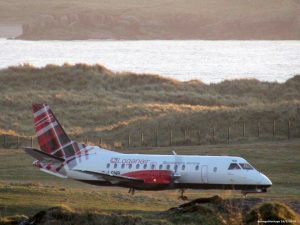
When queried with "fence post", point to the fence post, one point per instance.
{"points": [[171, 138], [156, 138], [228, 134], [274, 128], [289, 127], [213, 134], [128, 140], [244, 129], [31, 141], [199, 137], [4, 141], [100, 141], [86, 140], [258, 129], [142, 138], [18, 142]]}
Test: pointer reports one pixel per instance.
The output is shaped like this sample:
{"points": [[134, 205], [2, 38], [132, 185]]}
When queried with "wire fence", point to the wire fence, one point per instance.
{"points": [[158, 137]]}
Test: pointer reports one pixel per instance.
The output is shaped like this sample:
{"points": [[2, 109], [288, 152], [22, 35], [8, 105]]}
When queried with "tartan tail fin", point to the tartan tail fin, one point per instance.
{"points": [[51, 136]]}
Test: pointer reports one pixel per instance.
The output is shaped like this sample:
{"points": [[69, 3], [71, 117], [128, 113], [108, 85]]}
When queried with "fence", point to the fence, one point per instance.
{"points": [[158, 137]]}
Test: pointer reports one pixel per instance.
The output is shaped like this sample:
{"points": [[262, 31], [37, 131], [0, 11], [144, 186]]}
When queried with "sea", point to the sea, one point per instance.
{"points": [[184, 60]]}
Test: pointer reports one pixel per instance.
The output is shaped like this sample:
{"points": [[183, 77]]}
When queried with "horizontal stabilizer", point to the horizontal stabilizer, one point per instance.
{"points": [[113, 178], [42, 156]]}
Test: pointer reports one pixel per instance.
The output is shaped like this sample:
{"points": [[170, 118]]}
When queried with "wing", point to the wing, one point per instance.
{"points": [[42, 156], [113, 178]]}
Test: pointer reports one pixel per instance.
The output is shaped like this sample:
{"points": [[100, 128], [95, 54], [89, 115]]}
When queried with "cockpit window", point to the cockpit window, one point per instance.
{"points": [[246, 166], [234, 166]]}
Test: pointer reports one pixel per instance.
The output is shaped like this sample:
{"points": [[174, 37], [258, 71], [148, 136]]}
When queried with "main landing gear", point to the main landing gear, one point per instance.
{"points": [[182, 197], [131, 191]]}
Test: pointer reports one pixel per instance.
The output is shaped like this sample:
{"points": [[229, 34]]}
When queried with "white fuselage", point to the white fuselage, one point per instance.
{"points": [[189, 171]]}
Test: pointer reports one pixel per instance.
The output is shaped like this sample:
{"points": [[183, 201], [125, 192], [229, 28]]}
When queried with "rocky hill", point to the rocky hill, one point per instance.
{"points": [[156, 19]]}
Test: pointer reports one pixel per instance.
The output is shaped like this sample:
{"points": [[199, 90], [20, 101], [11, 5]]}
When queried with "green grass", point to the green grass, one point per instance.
{"points": [[25, 190]]}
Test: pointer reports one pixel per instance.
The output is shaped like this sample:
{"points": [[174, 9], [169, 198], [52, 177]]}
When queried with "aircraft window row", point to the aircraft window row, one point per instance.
{"points": [[168, 167], [246, 166], [234, 166]]}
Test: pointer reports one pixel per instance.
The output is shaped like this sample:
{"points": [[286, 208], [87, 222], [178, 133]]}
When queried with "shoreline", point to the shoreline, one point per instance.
{"points": [[25, 66]]}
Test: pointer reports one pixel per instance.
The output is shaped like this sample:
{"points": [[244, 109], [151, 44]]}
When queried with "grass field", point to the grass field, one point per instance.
{"points": [[113, 105], [25, 190]]}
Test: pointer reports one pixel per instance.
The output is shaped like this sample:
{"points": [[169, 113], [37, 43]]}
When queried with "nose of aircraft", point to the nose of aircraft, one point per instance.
{"points": [[265, 180]]}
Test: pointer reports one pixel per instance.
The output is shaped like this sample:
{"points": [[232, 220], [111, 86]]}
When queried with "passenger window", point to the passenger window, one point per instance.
{"points": [[130, 166], [246, 166], [153, 166], [183, 167], [137, 166], [197, 167], [145, 166], [107, 165], [234, 166], [175, 167], [123, 165], [168, 167], [160, 167], [115, 166], [215, 169]]}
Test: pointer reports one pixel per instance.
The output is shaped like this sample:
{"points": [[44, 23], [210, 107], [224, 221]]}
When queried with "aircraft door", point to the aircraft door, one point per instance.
{"points": [[204, 174]]}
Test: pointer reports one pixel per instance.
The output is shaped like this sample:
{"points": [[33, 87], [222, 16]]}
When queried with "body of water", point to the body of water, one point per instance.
{"points": [[208, 61]]}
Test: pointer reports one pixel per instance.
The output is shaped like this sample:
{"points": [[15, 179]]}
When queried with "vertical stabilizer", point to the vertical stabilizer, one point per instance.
{"points": [[51, 137]]}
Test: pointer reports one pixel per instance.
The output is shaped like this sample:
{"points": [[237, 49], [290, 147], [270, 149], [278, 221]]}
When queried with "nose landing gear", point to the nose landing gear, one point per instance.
{"points": [[245, 192]]}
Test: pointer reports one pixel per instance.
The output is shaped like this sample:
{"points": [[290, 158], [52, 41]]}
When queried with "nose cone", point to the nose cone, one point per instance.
{"points": [[265, 180]]}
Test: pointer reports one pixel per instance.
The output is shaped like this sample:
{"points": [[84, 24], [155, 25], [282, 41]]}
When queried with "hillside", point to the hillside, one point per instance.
{"points": [[96, 102], [156, 19]]}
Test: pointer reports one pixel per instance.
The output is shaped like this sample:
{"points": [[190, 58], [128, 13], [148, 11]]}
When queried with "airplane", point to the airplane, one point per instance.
{"points": [[62, 157]]}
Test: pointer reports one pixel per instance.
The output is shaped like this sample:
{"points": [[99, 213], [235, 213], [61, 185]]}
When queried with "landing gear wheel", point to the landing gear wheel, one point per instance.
{"points": [[182, 197], [131, 191]]}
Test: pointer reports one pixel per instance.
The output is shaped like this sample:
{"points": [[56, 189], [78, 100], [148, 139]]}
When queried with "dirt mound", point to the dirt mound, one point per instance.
{"points": [[225, 205], [214, 210], [272, 212], [65, 215]]}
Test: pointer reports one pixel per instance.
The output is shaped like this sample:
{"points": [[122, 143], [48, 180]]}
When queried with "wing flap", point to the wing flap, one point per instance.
{"points": [[42, 156]]}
